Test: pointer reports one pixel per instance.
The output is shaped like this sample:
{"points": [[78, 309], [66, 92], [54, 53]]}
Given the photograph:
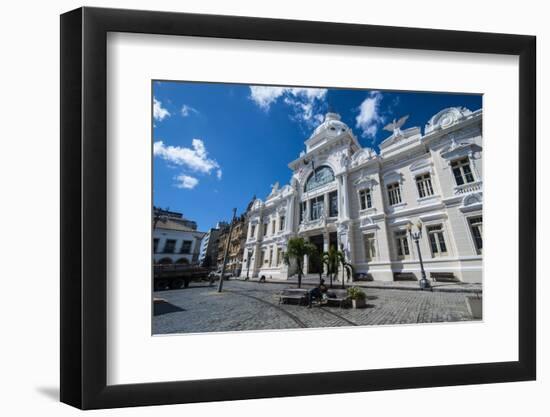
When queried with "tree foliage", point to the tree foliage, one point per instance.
{"points": [[297, 249]]}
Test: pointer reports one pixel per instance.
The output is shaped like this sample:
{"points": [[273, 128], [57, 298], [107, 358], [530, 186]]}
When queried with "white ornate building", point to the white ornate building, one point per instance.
{"points": [[363, 203]]}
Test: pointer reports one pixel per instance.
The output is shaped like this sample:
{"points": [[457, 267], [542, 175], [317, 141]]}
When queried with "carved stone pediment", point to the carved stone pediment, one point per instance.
{"points": [[402, 138], [392, 176], [472, 202], [471, 199], [365, 181], [459, 149], [446, 118], [422, 166], [362, 156]]}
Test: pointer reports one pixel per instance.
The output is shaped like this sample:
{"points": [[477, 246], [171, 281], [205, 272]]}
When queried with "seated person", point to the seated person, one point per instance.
{"points": [[317, 293]]}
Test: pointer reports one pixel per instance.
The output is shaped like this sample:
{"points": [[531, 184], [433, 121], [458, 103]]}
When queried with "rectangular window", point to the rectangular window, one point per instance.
{"points": [[252, 231], [437, 240], [273, 227], [155, 245], [476, 227], [279, 256], [401, 244], [365, 200], [424, 185], [461, 171], [317, 206], [333, 204], [169, 246], [262, 257], [394, 194], [186, 246], [265, 229], [270, 260], [281, 223], [370, 246]]}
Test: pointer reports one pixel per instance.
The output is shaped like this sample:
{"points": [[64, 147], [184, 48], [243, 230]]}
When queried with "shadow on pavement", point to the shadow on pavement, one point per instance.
{"points": [[164, 307]]}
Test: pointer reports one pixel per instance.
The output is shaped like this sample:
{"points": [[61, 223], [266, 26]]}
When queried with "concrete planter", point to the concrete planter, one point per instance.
{"points": [[475, 306], [360, 303]]}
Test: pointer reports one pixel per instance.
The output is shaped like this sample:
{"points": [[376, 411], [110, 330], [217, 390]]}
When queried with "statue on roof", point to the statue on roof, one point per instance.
{"points": [[395, 126]]}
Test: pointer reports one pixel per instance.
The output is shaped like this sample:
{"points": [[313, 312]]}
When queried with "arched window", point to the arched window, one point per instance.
{"points": [[182, 261], [165, 261], [321, 176]]}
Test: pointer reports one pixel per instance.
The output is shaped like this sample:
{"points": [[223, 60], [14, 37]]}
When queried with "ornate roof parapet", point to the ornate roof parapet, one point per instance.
{"points": [[362, 156], [446, 118], [400, 139]]}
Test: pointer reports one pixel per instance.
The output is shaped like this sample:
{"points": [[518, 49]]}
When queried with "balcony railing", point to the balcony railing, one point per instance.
{"points": [[469, 187], [316, 224]]}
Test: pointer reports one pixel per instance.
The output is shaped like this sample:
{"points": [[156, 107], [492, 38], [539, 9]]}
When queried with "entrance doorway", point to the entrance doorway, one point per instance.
{"points": [[333, 241], [317, 241]]}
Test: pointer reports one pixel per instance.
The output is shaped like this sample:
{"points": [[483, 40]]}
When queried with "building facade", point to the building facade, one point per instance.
{"points": [[208, 256], [236, 245], [364, 202], [175, 239]]}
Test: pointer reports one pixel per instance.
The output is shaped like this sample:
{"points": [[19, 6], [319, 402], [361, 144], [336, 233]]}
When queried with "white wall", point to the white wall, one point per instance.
{"points": [[30, 176]]}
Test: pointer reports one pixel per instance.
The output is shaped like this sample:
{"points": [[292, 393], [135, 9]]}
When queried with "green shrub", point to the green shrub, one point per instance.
{"points": [[356, 293]]}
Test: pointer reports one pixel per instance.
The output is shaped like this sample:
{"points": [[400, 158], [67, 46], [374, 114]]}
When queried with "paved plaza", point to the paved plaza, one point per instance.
{"points": [[245, 305]]}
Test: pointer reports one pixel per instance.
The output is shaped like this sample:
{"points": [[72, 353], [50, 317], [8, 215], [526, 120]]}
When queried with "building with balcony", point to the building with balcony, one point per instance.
{"points": [[236, 245], [175, 239], [363, 202]]}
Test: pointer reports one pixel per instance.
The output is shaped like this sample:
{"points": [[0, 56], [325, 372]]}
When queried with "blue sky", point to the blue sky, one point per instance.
{"points": [[217, 145]]}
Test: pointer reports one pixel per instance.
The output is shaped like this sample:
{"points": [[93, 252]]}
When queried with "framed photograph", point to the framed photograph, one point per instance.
{"points": [[260, 208]]}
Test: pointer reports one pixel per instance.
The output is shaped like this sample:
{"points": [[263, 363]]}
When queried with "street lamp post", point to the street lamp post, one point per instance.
{"points": [[416, 236], [220, 285]]}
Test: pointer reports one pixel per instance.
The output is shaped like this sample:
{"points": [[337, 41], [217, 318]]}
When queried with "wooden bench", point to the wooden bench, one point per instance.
{"points": [[299, 294], [443, 277]]}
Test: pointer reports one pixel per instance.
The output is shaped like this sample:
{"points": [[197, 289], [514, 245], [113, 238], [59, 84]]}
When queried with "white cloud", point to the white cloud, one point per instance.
{"points": [[305, 103], [187, 182], [264, 96], [219, 174], [195, 158], [369, 117], [188, 110], [159, 112]]}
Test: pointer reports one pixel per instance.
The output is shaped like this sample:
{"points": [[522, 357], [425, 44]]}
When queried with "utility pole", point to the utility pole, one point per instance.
{"points": [[220, 285]]}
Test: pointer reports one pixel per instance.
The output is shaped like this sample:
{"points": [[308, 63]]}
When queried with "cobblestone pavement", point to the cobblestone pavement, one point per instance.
{"points": [[255, 306]]}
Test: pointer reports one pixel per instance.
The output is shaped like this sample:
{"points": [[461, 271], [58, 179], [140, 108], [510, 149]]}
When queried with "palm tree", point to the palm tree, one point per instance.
{"points": [[347, 267], [297, 248], [330, 259], [333, 259]]}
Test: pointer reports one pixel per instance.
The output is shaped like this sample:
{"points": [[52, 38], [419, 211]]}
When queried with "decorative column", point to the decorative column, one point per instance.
{"points": [[289, 216], [326, 211], [308, 210], [306, 258], [474, 165], [346, 196], [339, 198]]}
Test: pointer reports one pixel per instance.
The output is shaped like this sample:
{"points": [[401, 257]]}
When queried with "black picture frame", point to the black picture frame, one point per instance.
{"points": [[84, 207]]}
